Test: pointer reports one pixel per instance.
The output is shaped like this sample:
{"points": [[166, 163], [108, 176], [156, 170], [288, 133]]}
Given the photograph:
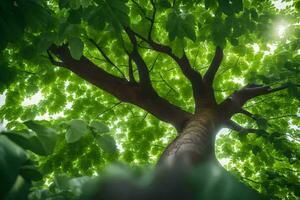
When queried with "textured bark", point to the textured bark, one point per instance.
{"points": [[195, 144]]}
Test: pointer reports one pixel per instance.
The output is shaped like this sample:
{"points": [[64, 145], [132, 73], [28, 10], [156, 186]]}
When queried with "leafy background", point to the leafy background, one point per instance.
{"points": [[74, 141]]}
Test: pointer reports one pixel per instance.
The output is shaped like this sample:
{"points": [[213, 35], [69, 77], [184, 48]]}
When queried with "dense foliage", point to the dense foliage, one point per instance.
{"points": [[54, 120]]}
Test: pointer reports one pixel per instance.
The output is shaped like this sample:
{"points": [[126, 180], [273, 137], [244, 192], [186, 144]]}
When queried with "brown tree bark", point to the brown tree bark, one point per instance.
{"points": [[196, 142]]}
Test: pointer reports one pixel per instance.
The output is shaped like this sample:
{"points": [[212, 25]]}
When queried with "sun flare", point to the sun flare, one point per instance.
{"points": [[281, 29]]}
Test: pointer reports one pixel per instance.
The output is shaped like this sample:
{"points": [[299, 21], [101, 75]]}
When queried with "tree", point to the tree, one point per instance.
{"points": [[196, 65]]}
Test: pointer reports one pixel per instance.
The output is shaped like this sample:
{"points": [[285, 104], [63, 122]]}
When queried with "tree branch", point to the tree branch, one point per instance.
{"points": [[234, 103], [238, 128], [106, 57], [122, 89], [167, 84], [201, 95], [247, 113], [152, 19], [130, 70], [110, 108], [214, 66], [283, 116], [141, 9], [140, 63]]}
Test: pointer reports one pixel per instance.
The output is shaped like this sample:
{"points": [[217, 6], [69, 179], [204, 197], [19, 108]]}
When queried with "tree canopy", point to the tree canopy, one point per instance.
{"points": [[57, 120]]}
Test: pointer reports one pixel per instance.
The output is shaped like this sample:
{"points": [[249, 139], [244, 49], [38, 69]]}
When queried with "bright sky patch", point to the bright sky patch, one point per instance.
{"points": [[280, 5]]}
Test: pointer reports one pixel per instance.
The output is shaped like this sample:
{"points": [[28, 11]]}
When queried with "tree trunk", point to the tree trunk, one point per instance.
{"points": [[195, 144]]}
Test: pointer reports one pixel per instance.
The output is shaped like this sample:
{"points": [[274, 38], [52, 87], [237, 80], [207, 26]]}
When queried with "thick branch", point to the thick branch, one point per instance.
{"points": [[139, 61], [234, 103], [122, 89], [130, 70], [214, 66], [201, 94], [238, 128]]}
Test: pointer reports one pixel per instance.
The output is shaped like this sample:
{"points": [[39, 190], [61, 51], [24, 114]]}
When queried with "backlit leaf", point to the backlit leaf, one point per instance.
{"points": [[76, 48], [77, 129]]}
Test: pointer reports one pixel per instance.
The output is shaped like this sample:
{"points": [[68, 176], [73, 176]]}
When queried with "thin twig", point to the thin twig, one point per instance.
{"points": [[194, 62], [283, 116], [248, 179], [174, 3], [227, 68], [24, 71], [109, 109], [168, 84], [144, 117], [141, 9], [106, 57], [158, 146], [153, 64], [152, 20]]}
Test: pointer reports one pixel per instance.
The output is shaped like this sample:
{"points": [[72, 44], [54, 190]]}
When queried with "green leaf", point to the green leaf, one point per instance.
{"points": [[7, 76], [254, 14], [256, 149], [28, 52], [22, 138], [74, 4], [39, 194], [99, 127], [180, 26], [94, 18], [107, 143], [30, 172], [209, 3], [115, 13], [178, 47], [164, 3], [234, 42], [32, 142], [14, 23], [63, 3], [69, 31], [20, 190], [230, 7], [297, 5], [45, 139], [294, 91], [36, 16], [262, 123], [76, 47], [11, 159], [64, 183], [75, 16], [77, 129], [219, 38]]}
